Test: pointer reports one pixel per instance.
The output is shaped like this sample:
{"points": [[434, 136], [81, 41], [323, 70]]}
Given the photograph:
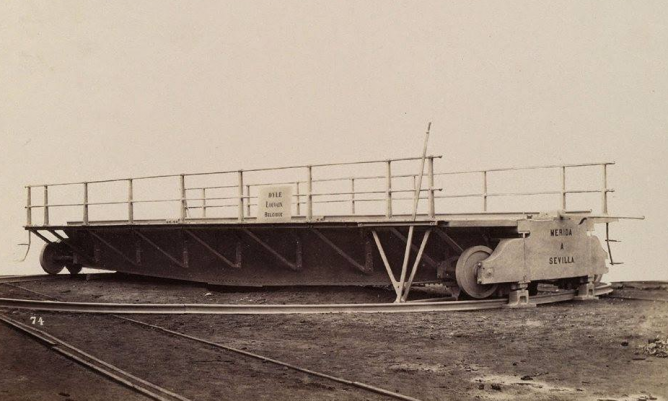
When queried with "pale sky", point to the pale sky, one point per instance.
{"points": [[98, 89]]}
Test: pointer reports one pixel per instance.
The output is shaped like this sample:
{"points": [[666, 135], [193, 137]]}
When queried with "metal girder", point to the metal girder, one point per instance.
{"points": [[341, 252], [293, 266], [220, 256], [445, 237], [159, 249], [113, 248], [430, 261]]}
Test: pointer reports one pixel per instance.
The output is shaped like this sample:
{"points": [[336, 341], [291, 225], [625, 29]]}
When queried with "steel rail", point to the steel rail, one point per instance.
{"points": [[636, 298], [227, 309], [361, 385], [89, 361]]}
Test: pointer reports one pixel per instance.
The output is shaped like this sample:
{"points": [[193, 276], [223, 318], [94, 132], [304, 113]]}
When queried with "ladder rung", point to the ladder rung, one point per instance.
{"points": [[616, 263], [612, 240]]}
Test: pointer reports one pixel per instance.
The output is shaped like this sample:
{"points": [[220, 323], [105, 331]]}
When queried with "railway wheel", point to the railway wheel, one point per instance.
{"points": [[466, 273], [74, 269], [50, 258]]}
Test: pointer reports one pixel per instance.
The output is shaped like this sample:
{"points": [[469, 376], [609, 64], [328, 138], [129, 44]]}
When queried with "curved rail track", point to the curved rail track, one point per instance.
{"points": [[154, 391], [227, 309]]}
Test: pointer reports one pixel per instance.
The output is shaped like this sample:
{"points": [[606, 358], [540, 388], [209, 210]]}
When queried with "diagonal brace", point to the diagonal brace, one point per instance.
{"points": [[213, 251], [445, 237], [113, 248], [426, 257], [271, 250], [159, 249], [341, 252]]}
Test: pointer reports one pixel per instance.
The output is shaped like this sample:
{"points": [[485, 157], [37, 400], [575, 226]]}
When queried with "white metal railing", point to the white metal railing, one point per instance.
{"points": [[304, 195]]}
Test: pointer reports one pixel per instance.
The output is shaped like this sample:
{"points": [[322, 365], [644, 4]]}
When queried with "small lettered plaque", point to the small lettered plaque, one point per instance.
{"points": [[275, 204]]}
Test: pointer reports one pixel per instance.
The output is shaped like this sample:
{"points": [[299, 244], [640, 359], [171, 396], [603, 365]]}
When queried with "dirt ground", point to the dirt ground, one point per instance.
{"points": [[593, 350]]}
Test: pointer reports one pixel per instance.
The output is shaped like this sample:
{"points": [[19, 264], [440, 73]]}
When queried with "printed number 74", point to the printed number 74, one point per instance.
{"points": [[37, 320]]}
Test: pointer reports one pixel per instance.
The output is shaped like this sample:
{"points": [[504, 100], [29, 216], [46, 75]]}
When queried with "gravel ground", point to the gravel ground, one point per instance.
{"points": [[594, 350]]}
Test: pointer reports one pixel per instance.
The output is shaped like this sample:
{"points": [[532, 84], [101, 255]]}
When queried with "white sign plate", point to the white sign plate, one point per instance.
{"points": [[275, 204]]}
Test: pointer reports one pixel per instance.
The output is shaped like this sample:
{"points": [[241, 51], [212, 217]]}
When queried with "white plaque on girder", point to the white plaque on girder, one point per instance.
{"points": [[274, 204]]}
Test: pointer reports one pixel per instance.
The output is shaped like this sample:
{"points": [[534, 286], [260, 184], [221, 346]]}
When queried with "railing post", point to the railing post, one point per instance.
{"points": [[309, 195], [204, 202], [248, 201], [352, 196], [299, 199], [184, 204], [46, 205], [484, 191], [241, 195], [131, 205], [432, 205], [85, 203], [604, 189], [563, 187], [388, 189], [28, 206]]}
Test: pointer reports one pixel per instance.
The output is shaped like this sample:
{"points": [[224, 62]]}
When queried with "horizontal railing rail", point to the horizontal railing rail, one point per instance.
{"points": [[304, 195]]}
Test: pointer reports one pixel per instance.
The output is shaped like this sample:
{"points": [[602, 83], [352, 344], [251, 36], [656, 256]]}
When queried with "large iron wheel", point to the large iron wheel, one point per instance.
{"points": [[466, 273], [50, 258]]}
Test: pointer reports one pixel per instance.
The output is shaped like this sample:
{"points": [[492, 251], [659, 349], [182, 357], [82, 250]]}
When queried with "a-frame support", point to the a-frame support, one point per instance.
{"points": [[401, 286]]}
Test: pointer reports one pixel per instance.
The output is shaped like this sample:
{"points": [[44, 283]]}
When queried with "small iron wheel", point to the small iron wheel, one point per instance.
{"points": [[49, 259], [466, 273], [74, 269]]}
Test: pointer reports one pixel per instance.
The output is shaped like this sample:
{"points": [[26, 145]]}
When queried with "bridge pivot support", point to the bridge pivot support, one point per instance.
{"points": [[586, 290], [519, 296]]}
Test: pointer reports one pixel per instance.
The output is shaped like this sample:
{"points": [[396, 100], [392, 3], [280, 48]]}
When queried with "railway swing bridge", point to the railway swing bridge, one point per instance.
{"points": [[330, 224]]}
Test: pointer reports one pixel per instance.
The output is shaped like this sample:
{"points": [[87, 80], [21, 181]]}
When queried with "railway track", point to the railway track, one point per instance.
{"points": [[154, 391], [227, 309], [81, 357]]}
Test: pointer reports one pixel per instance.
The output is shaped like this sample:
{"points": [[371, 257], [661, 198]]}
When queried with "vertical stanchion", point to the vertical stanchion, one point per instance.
{"points": [[248, 201], [352, 196], [204, 202], [309, 196], [432, 205], [184, 205], [131, 206], [604, 189], [46, 205], [388, 190], [241, 195], [563, 187], [85, 203], [299, 199], [484, 191], [28, 206]]}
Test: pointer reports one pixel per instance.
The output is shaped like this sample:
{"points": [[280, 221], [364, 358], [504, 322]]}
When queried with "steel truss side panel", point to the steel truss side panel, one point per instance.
{"points": [[126, 250]]}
